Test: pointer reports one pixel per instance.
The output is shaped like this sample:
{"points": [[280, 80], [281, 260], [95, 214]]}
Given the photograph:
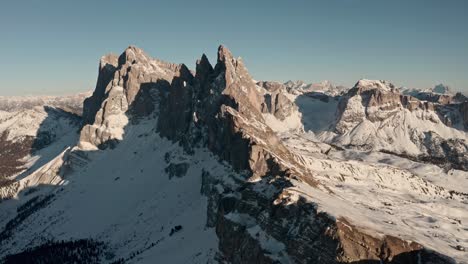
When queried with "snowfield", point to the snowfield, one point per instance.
{"points": [[389, 195]]}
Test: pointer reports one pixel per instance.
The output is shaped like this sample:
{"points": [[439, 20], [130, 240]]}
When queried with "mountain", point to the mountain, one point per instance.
{"points": [[209, 166], [373, 115], [442, 89], [32, 132], [439, 94], [325, 87], [69, 103]]}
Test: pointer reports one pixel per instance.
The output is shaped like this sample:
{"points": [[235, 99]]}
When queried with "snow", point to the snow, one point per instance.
{"points": [[372, 84], [275, 249], [62, 131], [133, 210], [124, 197], [395, 133], [32, 121], [290, 123], [377, 192], [383, 194]]}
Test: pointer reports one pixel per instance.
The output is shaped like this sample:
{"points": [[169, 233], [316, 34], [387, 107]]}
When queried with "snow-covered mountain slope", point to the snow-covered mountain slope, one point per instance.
{"points": [[439, 94], [375, 116], [389, 194], [279, 110], [133, 208], [29, 139], [175, 166], [325, 87], [70, 103]]}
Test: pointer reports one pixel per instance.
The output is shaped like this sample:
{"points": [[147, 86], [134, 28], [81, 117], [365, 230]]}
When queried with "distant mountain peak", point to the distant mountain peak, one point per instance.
{"points": [[366, 84], [442, 89]]}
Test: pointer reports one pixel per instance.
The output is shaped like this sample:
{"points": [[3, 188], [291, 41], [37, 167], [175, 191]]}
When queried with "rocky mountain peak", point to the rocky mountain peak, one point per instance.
{"points": [[204, 69], [323, 85], [238, 84], [132, 55], [224, 54], [442, 89], [123, 90], [109, 60], [366, 85], [271, 86]]}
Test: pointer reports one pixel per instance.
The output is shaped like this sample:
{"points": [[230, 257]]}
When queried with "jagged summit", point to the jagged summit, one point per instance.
{"points": [[326, 87], [224, 54], [132, 55], [442, 89], [366, 85]]}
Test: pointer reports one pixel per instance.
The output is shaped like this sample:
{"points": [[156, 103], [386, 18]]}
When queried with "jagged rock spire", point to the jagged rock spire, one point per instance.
{"points": [[107, 67], [203, 69]]}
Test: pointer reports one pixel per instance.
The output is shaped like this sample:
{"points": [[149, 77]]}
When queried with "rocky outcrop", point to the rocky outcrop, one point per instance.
{"points": [[220, 107], [176, 109], [275, 100], [91, 105], [127, 86], [258, 223], [380, 99], [435, 98], [464, 113]]}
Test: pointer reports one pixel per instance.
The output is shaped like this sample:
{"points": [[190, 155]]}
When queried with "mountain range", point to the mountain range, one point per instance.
{"points": [[166, 164]]}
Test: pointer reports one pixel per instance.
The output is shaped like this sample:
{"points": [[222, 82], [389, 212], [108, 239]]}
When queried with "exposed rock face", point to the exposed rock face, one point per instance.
{"points": [[300, 232], [91, 105], [176, 111], [440, 94], [385, 118], [380, 99], [136, 78], [276, 102], [460, 98], [221, 108], [377, 101], [464, 113], [441, 89], [224, 106], [435, 98]]}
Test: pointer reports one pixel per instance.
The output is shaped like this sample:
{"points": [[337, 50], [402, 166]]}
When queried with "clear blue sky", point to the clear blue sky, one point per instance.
{"points": [[53, 47]]}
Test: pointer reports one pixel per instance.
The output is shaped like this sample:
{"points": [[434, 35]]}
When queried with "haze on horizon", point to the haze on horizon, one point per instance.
{"points": [[54, 48]]}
